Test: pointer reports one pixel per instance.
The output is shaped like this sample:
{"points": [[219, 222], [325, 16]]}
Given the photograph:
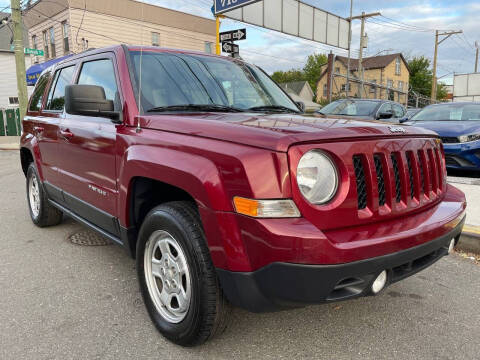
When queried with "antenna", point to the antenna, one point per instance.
{"points": [[140, 76]]}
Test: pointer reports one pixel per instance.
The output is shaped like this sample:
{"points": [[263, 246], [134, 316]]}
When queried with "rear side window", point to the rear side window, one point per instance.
{"points": [[56, 95], [101, 73], [37, 96], [398, 110]]}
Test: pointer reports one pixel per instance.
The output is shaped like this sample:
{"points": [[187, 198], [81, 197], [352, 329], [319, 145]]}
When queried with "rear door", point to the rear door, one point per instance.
{"points": [[44, 116], [88, 148]]}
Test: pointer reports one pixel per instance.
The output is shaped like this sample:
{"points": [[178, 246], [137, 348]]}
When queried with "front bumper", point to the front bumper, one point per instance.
{"points": [[465, 156], [284, 285]]}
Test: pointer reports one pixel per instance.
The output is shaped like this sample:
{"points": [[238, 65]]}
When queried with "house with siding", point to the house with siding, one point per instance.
{"points": [[61, 27], [391, 72]]}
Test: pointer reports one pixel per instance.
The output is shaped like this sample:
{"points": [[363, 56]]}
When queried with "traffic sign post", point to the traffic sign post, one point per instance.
{"points": [[222, 6]]}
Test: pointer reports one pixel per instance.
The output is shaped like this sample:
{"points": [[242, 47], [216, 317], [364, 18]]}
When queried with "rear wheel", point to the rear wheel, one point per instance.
{"points": [[177, 279], [41, 211]]}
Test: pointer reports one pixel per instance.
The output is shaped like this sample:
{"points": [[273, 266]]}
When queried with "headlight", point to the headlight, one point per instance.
{"points": [[468, 138], [317, 177]]}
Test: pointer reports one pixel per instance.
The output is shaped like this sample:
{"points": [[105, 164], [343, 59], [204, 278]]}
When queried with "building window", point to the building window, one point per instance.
{"points": [[400, 85], [208, 47], [325, 90], [51, 33], [373, 88], [34, 42], [45, 45], [398, 66], [337, 70], [66, 33], [390, 84], [155, 39], [344, 87], [13, 100]]}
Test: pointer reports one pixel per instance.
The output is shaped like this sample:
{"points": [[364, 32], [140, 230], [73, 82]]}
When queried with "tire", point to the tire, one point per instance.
{"points": [[196, 309], [43, 214]]}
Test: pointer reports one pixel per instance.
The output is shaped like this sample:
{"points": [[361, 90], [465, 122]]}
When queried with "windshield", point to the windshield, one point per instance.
{"points": [[449, 112], [350, 107], [173, 79]]}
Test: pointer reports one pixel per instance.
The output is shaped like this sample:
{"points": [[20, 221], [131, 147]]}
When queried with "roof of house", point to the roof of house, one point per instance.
{"points": [[373, 62], [295, 86]]}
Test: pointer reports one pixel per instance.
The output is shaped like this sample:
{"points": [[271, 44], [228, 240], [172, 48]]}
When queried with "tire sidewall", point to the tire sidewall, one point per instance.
{"points": [[160, 219], [32, 172]]}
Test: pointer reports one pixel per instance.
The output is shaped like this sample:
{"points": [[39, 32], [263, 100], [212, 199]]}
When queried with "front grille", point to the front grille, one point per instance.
{"points": [[396, 173], [361, 183], [382, 198], [450, 140], [401, 176], [410, 174]]}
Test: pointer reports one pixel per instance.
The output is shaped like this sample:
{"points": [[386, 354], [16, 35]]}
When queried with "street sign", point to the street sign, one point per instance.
{"points": [[230, 48], [226, 5], [240, 34], [294, 17], [29, 51]]}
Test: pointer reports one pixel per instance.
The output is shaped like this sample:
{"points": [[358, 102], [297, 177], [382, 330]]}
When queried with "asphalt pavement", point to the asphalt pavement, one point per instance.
{"points": [[64, 301]]}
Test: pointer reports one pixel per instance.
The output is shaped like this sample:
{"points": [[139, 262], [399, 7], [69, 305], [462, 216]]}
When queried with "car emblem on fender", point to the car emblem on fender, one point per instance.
{"points": [[397, 129]]}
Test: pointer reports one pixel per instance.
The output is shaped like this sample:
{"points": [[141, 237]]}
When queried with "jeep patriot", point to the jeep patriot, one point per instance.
{"points": [[224, 192]]}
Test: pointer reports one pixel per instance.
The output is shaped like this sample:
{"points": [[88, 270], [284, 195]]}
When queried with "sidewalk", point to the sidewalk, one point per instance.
{"points": [[470, 239], [9, 142]]}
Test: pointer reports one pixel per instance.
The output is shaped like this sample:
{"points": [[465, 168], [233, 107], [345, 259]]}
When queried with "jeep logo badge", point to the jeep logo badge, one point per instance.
{"points": [[397, 129]]}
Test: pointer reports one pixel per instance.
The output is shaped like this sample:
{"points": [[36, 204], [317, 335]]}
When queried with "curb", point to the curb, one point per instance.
{"points": [[10, 147], [470, 239]]}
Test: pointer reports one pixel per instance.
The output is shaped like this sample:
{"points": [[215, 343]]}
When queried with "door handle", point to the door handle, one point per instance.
{"points": [[38, 129], [66, 134]]}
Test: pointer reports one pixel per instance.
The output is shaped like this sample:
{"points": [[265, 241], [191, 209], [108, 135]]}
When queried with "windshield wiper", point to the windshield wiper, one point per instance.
{"points": [[274, 108], [196, 107]]}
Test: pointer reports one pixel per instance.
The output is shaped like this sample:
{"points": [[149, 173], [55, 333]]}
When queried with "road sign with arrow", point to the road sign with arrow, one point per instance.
{"points": [[235, 35], [230, 48]]}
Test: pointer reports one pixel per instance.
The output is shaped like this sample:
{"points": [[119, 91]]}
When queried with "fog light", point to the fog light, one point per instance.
{"points": [[451, 246], [379, 282]]}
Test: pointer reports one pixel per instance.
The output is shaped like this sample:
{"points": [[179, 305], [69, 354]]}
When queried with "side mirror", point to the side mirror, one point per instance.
{"points": [[89, 100], [301, 105], [403, 120], [385, 115]]}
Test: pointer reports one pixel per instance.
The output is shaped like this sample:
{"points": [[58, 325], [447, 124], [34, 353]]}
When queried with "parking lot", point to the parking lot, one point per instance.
{"points": [[64, 301]]}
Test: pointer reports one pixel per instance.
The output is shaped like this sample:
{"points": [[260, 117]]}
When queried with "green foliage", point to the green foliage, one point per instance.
{"points": [[288, 76], [313, 69], [421, 78], [311, 72]]}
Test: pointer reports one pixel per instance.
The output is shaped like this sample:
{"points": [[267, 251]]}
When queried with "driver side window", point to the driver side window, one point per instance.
{"points": [[387, 107]]}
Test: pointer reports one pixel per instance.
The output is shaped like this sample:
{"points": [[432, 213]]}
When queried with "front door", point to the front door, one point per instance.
{"points": [[88, 148]]}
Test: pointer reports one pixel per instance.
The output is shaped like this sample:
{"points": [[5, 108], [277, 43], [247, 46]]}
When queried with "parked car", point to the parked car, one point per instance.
{"points": [[385, 110], [224, 192], [458, 125]]}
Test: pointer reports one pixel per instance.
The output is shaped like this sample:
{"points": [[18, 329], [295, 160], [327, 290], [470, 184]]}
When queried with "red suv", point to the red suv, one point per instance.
{"points": [[224, 191]]}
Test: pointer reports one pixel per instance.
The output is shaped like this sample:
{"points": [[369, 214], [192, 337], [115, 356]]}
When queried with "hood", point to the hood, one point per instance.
{"points": [[357, 117], [449, 128], [275, 132]]}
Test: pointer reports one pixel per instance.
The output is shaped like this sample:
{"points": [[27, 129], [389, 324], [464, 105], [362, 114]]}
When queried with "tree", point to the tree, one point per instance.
{"points": [[421, 78], [313, 69], [311, 72], [288, 76]]}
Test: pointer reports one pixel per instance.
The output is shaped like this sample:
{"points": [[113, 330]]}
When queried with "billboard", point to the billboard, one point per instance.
{"points": [[294, 18]]}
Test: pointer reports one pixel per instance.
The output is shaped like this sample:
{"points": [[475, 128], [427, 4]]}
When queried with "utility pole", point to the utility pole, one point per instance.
{"points": [[476, 56], [445, 35], [19, 56], [362, 17], [347, 88], [218, 49]]}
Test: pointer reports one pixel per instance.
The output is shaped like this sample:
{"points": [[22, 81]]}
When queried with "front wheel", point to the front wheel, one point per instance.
{"points": [[177, 279], [41, 211]]}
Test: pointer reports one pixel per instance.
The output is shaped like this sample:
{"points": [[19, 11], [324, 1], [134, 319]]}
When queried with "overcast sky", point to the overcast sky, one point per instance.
{"points": [[274, 51]]}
